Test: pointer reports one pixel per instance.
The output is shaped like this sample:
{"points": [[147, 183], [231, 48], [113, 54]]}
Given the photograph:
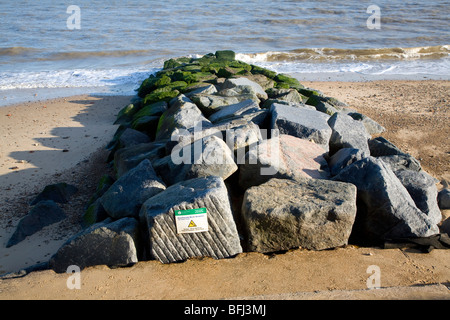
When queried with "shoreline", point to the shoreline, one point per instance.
{"points": [[10, 97], [72, 123]]}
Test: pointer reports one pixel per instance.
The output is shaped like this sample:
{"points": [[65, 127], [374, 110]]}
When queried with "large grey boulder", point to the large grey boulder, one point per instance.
{"points": [[166, 245], [111, 243], [315, 214], [182, 114], [238, 133], [282, 156], [211, 103], [347, 133], [204, 157], [244, 85], [241, 137], [301, 122], [44, 213], [286, 95], [234, 110], [386, 210], [126, 196], [422, 188]]}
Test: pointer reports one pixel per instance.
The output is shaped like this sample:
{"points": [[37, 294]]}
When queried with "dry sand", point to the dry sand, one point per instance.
{"points": [[415, 114], [58, 140]]}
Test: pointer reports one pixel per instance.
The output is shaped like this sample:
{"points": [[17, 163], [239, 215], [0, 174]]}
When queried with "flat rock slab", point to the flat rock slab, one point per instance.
{"points": [[301, 122], [166, 245], [386, 210], [211, 103], [111, 243], [126, 196], [315, 214], [282, 157], [234, 110]]}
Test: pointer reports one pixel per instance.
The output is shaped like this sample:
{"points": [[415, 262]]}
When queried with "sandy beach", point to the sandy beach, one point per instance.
{"points": [[46, 142], [63, 140]]}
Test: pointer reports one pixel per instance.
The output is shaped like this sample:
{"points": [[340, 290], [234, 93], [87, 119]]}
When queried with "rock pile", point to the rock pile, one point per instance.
{"points": [[248, 160]]}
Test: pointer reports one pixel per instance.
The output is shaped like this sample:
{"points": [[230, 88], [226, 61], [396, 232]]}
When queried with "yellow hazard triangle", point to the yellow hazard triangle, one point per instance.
{"points": [[192, 224]]}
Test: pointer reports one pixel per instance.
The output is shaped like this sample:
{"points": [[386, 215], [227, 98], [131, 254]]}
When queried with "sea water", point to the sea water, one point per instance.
{"points": [[109, 47]]}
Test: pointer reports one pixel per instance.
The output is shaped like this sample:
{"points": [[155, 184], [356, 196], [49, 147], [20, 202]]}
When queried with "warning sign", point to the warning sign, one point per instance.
{"points": [[192, 224], [190, 221]]}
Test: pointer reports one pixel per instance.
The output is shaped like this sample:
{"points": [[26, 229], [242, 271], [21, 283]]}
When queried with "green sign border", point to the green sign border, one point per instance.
{"points": [[190, 212]]}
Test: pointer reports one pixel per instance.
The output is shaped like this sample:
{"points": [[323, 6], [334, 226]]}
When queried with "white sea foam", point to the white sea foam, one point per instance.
{"points": [[77, 78]]}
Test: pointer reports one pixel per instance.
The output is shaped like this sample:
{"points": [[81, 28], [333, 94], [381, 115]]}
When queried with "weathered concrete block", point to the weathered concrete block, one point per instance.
{"points": [[314, 214], [166, 245]]}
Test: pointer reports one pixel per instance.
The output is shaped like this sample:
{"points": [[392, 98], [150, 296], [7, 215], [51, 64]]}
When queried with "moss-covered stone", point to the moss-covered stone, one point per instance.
{"points": [[228, 72], [203, 77], [126, 114], [259, 70], [154, 109], [162, 81], [177, 85], [175, 63], [225, 54], [146, 124], [282, 85], [160, 94], [308, 92], [313, 100], [171, 63], [292, 82], [93, 214], [206, 60], [192, 68], [147, 86], [194, 86]]}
